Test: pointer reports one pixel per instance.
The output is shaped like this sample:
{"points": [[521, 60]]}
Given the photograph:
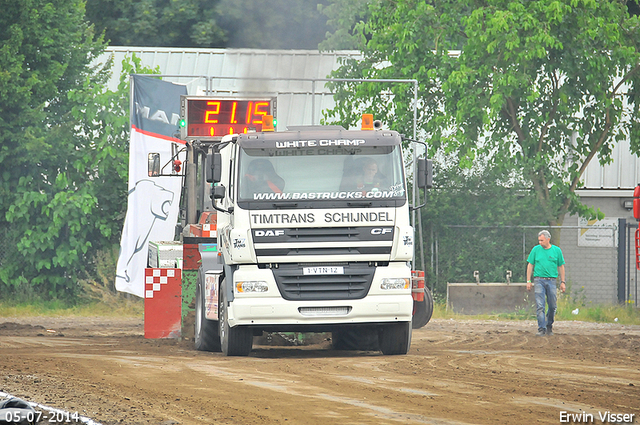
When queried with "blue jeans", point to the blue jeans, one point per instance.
{"points": [[545, 287]]}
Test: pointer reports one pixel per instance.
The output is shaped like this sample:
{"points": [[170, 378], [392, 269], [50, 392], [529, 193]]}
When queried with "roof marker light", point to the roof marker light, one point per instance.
{"points": [[267, 123], [367, 121]]}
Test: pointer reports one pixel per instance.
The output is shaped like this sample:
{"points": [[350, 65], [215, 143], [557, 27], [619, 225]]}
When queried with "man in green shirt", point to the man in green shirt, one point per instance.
{"points": [[545, 263]]}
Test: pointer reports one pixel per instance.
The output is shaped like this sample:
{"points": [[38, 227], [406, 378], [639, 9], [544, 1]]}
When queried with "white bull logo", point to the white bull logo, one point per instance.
{"points": [[152, 203]]}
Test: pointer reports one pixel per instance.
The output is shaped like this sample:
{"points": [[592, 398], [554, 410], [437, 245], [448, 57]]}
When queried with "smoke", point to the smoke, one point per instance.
{"points": [[277, 24]]}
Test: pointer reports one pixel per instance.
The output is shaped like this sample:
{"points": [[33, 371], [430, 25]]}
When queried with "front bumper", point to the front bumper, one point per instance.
{"points": [[270, 309], [274, 312]]}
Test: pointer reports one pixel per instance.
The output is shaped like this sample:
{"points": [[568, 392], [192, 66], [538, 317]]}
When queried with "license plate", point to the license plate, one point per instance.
{"points": [[323, 270]]}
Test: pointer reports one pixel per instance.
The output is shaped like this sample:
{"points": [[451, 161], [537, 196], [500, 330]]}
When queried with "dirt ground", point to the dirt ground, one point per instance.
{"points": [[457, 372]]}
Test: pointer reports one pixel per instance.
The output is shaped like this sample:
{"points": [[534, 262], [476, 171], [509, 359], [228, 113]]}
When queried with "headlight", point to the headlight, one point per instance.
{"points": [[252, 286], [394, 283]]}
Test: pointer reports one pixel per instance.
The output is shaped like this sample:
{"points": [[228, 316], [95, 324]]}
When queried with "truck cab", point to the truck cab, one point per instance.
{"points": [[313, 236]]}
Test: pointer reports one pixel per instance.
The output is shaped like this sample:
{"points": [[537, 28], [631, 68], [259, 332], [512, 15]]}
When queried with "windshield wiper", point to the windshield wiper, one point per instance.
{"points": [[359, 204], [285, 204]]}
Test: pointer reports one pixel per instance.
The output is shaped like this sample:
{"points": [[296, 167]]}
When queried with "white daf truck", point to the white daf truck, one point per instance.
{"points": [[313, 235]]}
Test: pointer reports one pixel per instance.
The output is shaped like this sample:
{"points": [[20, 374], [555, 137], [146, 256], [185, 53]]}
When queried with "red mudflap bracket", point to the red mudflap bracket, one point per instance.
{"points": [[417, 285]]}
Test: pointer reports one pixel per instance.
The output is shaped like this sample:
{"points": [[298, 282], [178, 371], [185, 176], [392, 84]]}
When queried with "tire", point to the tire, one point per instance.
{"points": [[422, 310], [363, 339], [206, 333], [236, 341], [395, 338]]}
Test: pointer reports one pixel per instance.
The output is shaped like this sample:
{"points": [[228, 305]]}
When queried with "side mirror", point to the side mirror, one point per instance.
{"points": [[208, 168], [425, 173], [214, 167], [154, 164], [218, 192]]}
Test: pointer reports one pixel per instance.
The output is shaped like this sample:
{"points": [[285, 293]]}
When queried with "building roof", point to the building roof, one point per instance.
{"points": [[289, 75]]}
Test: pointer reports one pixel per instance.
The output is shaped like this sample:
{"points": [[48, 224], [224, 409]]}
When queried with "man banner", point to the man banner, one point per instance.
{"points": [[153, 202]]}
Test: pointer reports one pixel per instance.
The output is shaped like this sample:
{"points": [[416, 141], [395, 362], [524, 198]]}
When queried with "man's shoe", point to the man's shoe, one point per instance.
{"points": [[549, 331], [541, 332]]}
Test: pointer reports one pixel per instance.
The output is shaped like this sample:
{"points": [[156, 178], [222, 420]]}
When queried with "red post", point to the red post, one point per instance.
{"points": [[636, 202], [163, 303]]}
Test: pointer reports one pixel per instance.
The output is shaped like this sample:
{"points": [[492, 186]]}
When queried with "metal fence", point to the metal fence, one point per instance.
{"points": [[628, 282], [492, 254], [7, 245], [600, 261]]}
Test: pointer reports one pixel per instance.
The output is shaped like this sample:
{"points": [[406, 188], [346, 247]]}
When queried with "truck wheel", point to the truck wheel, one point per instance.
{"points": [[422, 310], [395, 338], [206, 331], [236, 341]]}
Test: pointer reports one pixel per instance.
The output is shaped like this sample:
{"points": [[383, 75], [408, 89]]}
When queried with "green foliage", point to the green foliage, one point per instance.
{"points": [[567, 305], [440, 311], [542, 87], [277, 24], [346, 18], [45, 51], [124, 307], [492, 206], [572, 305], [63, 148], [99, 277], [176, 23]]}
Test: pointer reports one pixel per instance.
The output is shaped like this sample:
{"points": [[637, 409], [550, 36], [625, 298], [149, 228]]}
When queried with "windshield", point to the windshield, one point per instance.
{"points": [[334, 175]]}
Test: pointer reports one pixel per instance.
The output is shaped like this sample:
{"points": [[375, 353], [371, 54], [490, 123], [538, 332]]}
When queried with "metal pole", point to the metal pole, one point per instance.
{"points": [[415, 129], [631, 259], [313, 102], [437, 260], [131, 112], [622, 236], [190, 170], [636, 273], [420, 235], [431, 239]]}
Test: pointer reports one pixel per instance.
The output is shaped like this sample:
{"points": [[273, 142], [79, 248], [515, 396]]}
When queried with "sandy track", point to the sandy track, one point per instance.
{"points": [[457, 372]]}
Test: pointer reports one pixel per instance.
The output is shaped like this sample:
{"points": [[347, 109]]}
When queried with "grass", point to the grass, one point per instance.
{"points": [[97, 295], [102, 300], [55, 308], [440, 311], [569, 308]]}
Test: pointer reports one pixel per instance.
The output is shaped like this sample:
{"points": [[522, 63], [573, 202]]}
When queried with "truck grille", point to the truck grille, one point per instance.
{"points": [[323, 241], [283, 252], [354, 284]]}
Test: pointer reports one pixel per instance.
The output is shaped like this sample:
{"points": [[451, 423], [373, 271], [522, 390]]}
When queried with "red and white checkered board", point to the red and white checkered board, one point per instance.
{"points": [[155, 279], [209, 230]]}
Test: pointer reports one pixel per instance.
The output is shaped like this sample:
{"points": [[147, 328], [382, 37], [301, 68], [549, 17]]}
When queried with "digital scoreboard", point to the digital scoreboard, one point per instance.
{"points": [[214, 117]]}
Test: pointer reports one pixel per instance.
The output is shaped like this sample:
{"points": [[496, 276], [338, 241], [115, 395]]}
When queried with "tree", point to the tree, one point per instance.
{"points": [[177, 23], [346, 18], [543, 86], [63, 141], [474, 221], [277, 24]]}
